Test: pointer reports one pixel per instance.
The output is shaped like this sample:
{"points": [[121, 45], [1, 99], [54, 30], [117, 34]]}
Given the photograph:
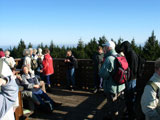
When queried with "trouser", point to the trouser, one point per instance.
{"points": [[130, 96], [47, 79], [98, 81], [71, 77], [43, 97], [112, 105]]}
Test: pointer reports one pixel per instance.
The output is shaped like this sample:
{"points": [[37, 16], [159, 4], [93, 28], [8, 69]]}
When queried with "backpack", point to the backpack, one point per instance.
{"points": [[122, 72], [34, 64]]}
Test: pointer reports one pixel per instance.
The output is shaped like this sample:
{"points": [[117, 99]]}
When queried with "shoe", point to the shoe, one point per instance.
{"points": [[49, 90], [95, 91], [57, 104]]}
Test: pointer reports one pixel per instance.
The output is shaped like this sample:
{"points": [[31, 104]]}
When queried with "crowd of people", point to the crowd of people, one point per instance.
{"points": [[36, 74], [34, 77], [105, 67]]}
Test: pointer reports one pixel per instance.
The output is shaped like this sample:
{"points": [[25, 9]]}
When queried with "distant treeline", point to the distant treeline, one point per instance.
{"points": [[150, 50]]}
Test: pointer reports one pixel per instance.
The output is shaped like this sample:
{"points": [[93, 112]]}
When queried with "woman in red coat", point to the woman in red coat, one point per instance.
{"points": [[48, 69]]}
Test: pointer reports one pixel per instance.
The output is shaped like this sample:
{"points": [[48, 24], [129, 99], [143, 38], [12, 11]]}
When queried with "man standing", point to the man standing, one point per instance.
{"points": [[130, 93], [98, 61], [150, 100], [111, 89]]}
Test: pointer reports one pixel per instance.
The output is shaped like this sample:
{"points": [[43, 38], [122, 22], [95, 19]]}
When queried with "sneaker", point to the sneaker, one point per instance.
{"points": [[95, 91]]}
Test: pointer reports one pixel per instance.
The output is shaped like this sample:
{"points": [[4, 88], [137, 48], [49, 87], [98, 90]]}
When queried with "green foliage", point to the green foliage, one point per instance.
{"points": [[150, 51], [102, 40], [80, 50], [91, 48], [30, 45]]}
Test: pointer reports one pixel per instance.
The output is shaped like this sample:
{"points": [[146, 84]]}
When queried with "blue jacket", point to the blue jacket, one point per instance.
{"points": [[106, 71]]}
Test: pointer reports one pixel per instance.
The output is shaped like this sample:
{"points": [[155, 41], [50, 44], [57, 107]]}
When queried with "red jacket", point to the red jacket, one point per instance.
{"points": [[47, 65]]}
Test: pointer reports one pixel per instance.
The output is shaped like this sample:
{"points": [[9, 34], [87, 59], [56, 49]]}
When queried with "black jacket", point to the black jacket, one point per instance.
{"points": [[131, 57], [71, 64], [98, 61]]}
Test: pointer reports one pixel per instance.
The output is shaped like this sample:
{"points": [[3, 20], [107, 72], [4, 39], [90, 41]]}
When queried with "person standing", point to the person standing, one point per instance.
{"points": [[27, 59], [70, 62], [48, 69], [111, 89], [10, 60], [8, 90], [150, 100], [130, 92], [98, 61]]}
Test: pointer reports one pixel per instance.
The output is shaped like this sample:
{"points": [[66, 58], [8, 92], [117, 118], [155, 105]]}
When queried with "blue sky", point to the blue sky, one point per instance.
{"points": [[66, 21]]}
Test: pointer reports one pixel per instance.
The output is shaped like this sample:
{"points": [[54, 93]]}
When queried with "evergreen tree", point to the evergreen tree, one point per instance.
{"points": [[135, 47], [40, 46], [62, 52], [30, 45], [118, 44], [102, 40], [80, 50], [52, 49], [151, 48], [21, 47], [13, 52], [91, 48]]}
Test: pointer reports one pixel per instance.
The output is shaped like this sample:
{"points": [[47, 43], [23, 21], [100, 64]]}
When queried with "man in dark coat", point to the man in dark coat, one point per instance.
{"points": [[130, 92], [98, 61]]}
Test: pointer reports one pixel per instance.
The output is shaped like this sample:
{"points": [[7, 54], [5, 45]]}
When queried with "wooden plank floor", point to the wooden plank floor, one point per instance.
{"points": [[76, 105]]}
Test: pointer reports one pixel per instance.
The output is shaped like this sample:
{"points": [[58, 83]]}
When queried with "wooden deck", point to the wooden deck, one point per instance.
{"points": [[76, 105]]}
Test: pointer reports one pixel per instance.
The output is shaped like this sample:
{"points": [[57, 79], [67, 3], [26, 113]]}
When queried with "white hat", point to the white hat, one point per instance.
{"points": [[109, 44]]}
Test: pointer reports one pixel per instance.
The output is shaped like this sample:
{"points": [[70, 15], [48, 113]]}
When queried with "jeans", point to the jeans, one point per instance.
{"points": [[47, 79], [98, 81], [130, 96], [71, 77], [42, 97]]}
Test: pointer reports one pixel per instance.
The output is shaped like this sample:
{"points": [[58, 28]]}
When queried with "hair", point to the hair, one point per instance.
{"points": [[26, 52], [13, 69], [157, 64], [69, 51], [24, 66], [30, 49], [1, 49], [34, 51], [46, 50], [7, 53], [99, 48], [39, 49]]}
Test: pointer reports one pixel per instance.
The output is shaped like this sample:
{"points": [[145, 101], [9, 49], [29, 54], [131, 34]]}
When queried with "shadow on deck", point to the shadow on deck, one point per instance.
{"points": [[76, 105]]}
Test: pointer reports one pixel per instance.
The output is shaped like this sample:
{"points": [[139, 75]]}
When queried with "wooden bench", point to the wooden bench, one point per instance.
{"points": [[19, 113], [19, 109]]}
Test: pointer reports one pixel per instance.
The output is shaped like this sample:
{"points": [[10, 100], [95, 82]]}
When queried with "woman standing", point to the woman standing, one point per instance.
{"points": [[48, 69]]}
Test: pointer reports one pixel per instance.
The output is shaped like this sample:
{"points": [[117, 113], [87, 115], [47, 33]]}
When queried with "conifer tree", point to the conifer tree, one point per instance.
{"points": [[151, 48]]}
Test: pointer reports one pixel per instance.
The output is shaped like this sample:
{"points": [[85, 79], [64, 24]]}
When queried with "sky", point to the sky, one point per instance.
{"points": [[66, 21]]}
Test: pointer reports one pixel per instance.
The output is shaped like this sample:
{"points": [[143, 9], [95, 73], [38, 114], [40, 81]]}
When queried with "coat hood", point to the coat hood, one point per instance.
{"points": [[125, 47]]}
